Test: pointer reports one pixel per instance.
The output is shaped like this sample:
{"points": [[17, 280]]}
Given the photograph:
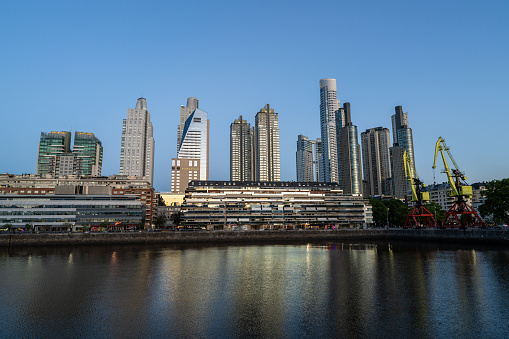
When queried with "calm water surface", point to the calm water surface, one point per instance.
{"points": [[272, 291]]}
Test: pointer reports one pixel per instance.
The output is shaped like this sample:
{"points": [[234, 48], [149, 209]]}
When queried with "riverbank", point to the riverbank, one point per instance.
{"points": [[480, 236]]}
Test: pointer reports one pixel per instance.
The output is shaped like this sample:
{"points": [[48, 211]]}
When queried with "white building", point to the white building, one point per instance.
{"points": [[137, 148], [329, 106], [267, 154]]}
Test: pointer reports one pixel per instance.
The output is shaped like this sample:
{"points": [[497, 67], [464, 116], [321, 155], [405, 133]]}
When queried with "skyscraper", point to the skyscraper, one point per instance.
{"points": [[185, 112], [88, 154], [137, 147], [51, 147], [192, 162], [349, 154], [403, 141], [240, 151], [304, 159], [267, 156], [376, 161], [318, 158], [57, 159], [329, 105]]}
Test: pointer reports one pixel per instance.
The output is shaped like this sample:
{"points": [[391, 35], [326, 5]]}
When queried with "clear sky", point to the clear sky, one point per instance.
{"points": [[79, 65]]}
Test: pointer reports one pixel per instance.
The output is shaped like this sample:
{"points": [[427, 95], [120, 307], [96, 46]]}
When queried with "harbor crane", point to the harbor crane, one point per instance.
{"points": [[419, 216], [461, 214]]}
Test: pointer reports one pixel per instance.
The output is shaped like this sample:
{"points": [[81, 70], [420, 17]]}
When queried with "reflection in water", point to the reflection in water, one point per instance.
{"points": [[330, 290]]}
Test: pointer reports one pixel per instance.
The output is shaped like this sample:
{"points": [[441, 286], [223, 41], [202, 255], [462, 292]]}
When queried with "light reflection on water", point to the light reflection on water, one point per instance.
{"points": [[329, 290]]}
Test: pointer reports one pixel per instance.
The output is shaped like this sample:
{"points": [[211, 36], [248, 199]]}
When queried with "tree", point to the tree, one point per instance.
{"points": [[397, 211], [176, 218], [379, 212], [437, 211], [496, 205], [160, 221]]}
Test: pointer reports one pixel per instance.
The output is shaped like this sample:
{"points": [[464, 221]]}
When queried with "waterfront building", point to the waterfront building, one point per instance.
{"points": [[137, 146], [185, 112], [440, 194], [51, 147], [88, 154], [329, 106], [272, 205], [240, 151], [376, 161], [304, 159], [114, 185], [317, 162], [267, 155], [402, 141], [70, 212], [349, 165], [183, 170]]}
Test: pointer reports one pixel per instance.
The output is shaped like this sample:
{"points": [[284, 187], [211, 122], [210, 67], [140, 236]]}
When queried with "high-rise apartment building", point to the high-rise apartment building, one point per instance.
{"points": [[185, 112], [88, 154], [329, 105], [376, 161], [304, 159], [56, 158], [318, 158], [137, 147], [240, 151], [267, 155], [349, 153], [192, 162], [51, 147], [402, 141]]}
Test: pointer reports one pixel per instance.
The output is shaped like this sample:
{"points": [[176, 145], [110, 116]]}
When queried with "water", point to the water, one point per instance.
{"points": [[274, 291]]}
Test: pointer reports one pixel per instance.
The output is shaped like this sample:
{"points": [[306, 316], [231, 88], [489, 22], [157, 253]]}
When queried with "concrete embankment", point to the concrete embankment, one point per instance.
{"points": [[482, 236]]}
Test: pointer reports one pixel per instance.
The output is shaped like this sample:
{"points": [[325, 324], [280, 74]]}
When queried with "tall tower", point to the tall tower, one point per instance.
{"points": [[267, 156], [240, 151], [51, 147], [88, 154], [318, 158], [304, 159], [402, 141], [329, 105], [195, 141], [349, 154], [185, 112], [376, 161], [137, 147]]}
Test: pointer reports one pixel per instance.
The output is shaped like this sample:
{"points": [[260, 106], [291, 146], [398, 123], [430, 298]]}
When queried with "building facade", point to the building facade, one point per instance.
{"points": [[272, 205], [304, 159], [329, 106], [137, 146], [116, 185], [376, 161], [56, 158], [185, 112], [183, 170], [240, 151], [267, 154], [349, 164], [402, 141]]}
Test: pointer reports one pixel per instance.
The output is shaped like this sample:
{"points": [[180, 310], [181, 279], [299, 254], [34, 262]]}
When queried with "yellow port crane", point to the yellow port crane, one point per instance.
{"points": [[461, 214], [419, 216]]}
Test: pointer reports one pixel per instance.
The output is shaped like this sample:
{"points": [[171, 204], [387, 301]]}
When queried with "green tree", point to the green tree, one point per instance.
{"points": [[397, 211], [496, 205], [437, 211], [160, 221], [176, 218], [379, 212]]}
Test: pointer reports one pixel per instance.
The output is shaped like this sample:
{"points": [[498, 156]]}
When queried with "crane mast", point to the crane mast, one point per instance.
{"points": [[461, 214], [419, 216]]}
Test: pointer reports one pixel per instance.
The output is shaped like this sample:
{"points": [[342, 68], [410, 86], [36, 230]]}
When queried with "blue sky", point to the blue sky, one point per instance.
{"points": [[79, 65]]}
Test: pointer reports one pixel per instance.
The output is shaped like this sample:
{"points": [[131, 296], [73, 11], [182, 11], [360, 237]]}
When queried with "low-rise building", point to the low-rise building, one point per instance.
{"points": [[114, 185], [272, 205]]}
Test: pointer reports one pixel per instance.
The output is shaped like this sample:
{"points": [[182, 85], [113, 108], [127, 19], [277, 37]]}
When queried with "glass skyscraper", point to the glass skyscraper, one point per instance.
{"points": [[240, 151], [329, 105]]}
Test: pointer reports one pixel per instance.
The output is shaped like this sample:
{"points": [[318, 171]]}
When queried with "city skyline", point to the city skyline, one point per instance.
{"points": [[448, 72]]}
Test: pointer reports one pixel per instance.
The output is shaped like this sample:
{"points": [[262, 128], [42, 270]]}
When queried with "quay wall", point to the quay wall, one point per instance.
{"points": [[482, 236]]}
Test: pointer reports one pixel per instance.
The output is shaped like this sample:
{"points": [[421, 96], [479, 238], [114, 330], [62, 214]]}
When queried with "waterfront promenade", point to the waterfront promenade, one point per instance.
{"points": [[481, 236]]}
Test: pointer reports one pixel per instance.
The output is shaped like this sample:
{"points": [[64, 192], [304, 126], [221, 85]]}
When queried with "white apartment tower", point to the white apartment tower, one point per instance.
{"points": [[329, 106], [185, 112], [267, 155], [137, 147]]}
